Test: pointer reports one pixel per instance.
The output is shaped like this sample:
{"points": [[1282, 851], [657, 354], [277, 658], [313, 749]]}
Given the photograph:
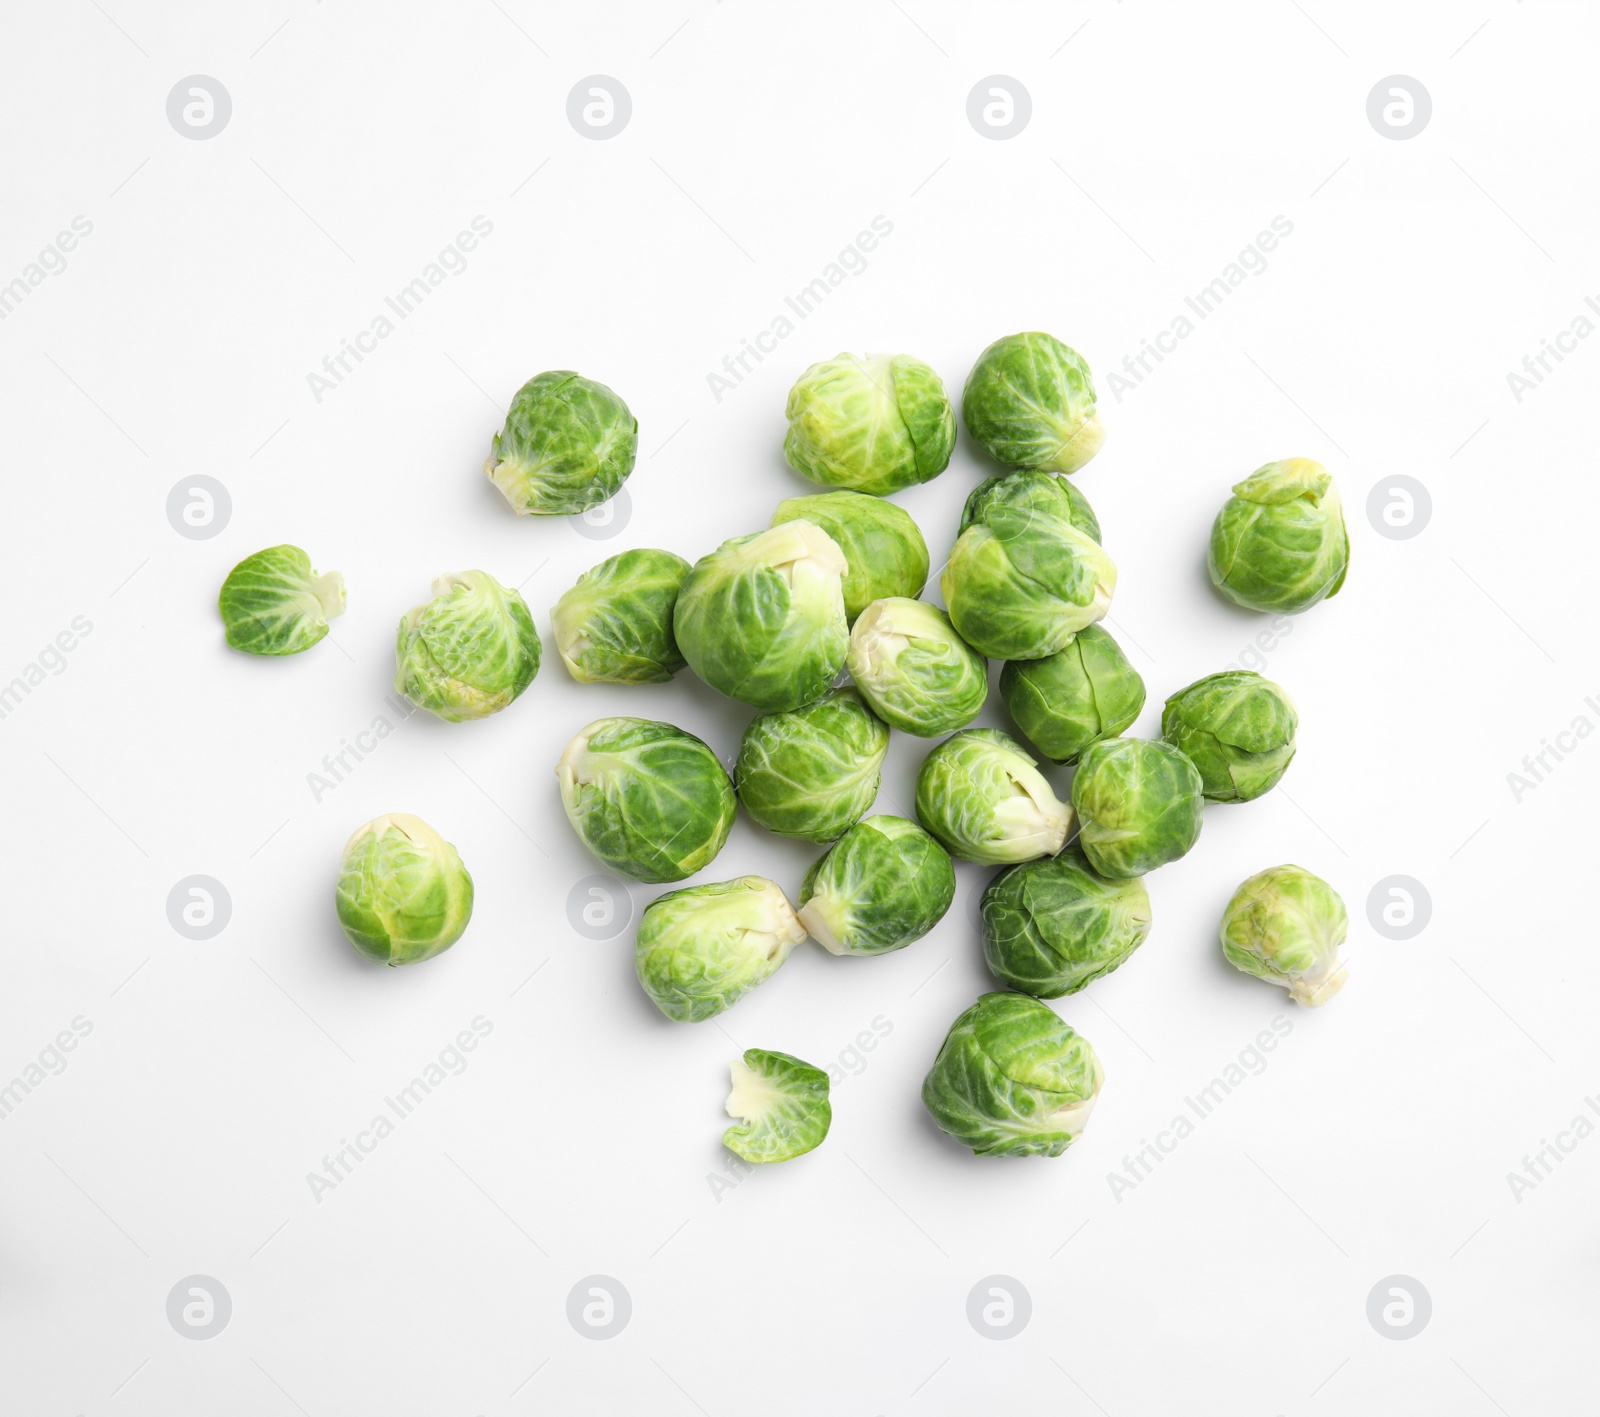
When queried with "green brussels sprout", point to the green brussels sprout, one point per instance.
{"points": [[648, 799], [1237, 729], [1138, 803], [1279, 543], [615, 625], [1029, 402], [403, 894], [761, 619], [812, 772], [469, 651], [877, 423], [781, 1104], [701, 949], [568, 444], [1026, 574], [1051, 926], [884, 884], [882, 547], [980, 794], [917, 674], [1011, 1079], [274, 603], [1075, 697], [1285, 925]]}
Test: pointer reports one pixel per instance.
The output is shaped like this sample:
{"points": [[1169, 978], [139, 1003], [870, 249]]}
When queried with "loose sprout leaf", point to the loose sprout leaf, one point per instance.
{"points": [[781, 1104], [274, 603]]}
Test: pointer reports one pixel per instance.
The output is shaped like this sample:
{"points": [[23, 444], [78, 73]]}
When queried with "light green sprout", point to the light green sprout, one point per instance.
{"points": [[812, 772], [274, 603], [1026, 572], [1285, 925], [1049, 927], [912, 668], [884, 884], [648, 799], [781, 1105], [1237, 729], [1279, 543], [568, 444], [701, 949], [1138, 803], [1011, 1079], [1074, 697], [875, 423], [984, 800], [615, 625], [1029, 402], [403, 894], [882, 546], [761, 619], [468, 652]]}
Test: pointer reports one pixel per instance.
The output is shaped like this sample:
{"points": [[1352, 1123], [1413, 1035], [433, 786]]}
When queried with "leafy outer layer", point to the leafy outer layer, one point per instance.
{"points": [[1075, 697], [1237, 728], [468, 652], [615, 625], [1285, 925], [882, 886], [403, 895], [912, 668], [568, 444], [983, 799], [881, 545], [274, 603], [1139, 805], [782, 1106], [1280, 542], [1029, 402]]}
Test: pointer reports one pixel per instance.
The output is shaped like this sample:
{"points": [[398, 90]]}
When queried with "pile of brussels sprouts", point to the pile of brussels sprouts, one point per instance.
{"points": [[817, 623]]}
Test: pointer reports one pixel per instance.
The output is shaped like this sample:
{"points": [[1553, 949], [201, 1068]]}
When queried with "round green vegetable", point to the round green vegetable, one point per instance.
{"points": [[648, 799], [884, 884], [1075, 697], [1279, 543], [1029, 402], [701, 949], [1237, 729], [882, 547], [568, 444], [1138, 803], [875, 422], [1285, 925], [403, 894], [274, 603], [983, 798], [469, 651], [1011, 1079], [914, 670], [761, 619], [812, 772], [1051, 926], [781, 1104], [615, 625]]}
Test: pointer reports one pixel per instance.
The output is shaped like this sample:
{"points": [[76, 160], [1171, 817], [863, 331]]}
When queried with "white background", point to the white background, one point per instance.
{"points": [[580, 1139]]}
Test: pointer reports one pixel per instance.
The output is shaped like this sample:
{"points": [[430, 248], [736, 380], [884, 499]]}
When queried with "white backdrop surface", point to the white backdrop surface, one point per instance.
{"points": [[177, 338]]}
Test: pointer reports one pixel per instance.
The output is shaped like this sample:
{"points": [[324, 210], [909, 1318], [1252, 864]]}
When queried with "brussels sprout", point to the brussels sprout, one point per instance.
{"points": [[1279, 543], [914, 670], [985, 801], [403, 894], [701, 949], [877, 423], [1029, 402], [885, 883], [1237, 729], [1138, 804], [615, 625], [648, 799], [812, 772], [1051, 926], [1026, 573], [882, 547], [469, 651], [761, 619], [274, 603], [1075, 697], [1012, 1080], [568, 445], [1285, 925], [781, 1104]]}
